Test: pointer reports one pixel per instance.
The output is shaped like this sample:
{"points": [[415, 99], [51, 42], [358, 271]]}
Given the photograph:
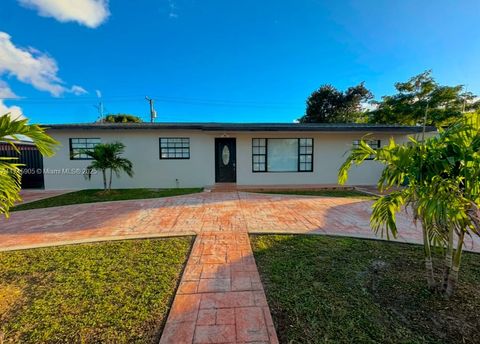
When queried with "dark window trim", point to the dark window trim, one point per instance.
{"points": [[298, 154], [305, 154], [379, 145], [265, 155], [174, 158], [76, 138]]}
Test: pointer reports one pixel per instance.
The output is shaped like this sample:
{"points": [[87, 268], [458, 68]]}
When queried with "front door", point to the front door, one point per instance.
{"points": [[225, 160]]}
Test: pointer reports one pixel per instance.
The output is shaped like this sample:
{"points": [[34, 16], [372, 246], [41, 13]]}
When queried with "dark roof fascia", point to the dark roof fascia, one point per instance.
{"points": [[269, 127]]}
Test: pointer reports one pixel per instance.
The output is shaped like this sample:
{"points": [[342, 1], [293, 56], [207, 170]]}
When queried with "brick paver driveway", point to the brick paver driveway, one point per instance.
{"points": [[220, 298], [194, 214]]}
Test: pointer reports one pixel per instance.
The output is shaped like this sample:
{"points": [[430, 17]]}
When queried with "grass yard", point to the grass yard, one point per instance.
{"points": [[325, 193], [342, 290], [115, 292], [95, 195]]}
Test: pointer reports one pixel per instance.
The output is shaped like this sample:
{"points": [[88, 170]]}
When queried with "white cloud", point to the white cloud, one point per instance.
{"points": [[173, 9], [33, 67], [14, 111], [90, 13], [99, 93], [6, 92], [77, 90]]}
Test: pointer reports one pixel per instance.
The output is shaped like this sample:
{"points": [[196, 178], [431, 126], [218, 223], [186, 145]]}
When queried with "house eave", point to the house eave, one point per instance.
{"points": [[245, 127]]}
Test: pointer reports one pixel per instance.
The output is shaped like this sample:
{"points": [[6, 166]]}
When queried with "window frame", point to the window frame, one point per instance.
{"points": [[72, 157], [356, 143], [265, 155], [170, 138], [298, 154]]}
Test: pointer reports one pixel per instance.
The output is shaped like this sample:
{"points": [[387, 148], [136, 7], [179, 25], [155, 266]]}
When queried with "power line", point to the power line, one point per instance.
{"points": [[165, 99]]}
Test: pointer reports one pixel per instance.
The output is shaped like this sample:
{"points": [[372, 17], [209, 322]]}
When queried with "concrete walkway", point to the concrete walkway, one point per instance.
{"points": [[196, 213]]}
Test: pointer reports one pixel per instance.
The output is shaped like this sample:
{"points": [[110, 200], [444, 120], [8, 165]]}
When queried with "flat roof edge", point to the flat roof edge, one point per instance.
{"points": [[241, 127]]}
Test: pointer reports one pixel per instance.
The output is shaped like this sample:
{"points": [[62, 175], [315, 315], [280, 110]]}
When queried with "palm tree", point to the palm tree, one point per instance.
{"points": [[12, 131], [438, 180], [107, 156]]}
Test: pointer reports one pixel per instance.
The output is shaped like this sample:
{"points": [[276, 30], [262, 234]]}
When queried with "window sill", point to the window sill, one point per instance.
{"points": [[282, 171]]}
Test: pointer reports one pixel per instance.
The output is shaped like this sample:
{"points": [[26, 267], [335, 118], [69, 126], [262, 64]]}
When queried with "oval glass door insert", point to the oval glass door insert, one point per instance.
{"points": [[225, 155]]}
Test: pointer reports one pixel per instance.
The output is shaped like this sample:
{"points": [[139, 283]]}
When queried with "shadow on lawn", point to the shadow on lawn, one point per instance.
{"points": [[330, 289]]}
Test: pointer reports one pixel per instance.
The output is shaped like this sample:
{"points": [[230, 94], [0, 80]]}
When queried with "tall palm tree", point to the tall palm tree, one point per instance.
{"points": [[12, 131], [107, 156], [439, 181]]}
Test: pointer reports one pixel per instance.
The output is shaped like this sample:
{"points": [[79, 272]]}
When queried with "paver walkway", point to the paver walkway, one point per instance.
{"points": [[196, 213], [220, 298], [35, 195]]}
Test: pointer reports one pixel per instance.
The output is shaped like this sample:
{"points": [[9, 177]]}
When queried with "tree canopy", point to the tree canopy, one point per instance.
{"points": [[422, 94], [329, 105], [437, 179], [122, 118]]}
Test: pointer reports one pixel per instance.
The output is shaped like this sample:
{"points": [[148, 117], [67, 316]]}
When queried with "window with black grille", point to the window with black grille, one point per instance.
{"points": [[259, 155], [375, 144], [78, 146], [282, 155], [305, 155], [174, 148]]}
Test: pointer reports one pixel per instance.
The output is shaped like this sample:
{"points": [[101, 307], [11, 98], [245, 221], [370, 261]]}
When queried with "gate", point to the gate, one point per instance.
{"points": [[30, 157]]}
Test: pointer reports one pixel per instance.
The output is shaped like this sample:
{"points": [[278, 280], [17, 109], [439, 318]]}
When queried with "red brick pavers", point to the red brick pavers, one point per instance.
{"points": [[198, 213], [220, 298], [35, 195]]}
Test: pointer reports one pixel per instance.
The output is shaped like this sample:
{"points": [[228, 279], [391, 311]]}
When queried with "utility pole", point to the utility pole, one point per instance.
{"points": [[99, 107], [153, 113]]}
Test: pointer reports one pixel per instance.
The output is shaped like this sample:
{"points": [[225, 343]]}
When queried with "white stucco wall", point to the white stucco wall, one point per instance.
{"points": [[142, 148], [329, 153]]}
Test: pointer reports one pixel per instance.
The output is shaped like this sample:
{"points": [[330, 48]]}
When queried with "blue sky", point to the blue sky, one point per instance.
{"points": [[217, 60]]}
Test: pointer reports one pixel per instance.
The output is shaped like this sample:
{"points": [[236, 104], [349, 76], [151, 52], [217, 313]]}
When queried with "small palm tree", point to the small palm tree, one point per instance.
{"points": [[107, 156], [12, 131], [439, 180]]}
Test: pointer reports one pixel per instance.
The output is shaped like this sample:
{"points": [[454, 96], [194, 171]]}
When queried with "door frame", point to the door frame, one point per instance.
{"points": [[217, 158]]}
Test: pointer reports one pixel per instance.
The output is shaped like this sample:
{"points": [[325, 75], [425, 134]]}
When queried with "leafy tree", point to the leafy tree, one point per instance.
{"points": [[122, 118], [422, 95], [107, 156], [12, 131], [329, 105], [439, 180]]}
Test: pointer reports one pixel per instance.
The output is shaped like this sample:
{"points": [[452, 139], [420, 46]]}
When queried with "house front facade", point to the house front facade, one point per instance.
{"points": [[168, 155]]}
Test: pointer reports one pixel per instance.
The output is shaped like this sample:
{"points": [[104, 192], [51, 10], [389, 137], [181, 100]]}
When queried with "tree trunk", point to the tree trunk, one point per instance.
{"points": [[448, 260], [428, 259], [453, 277], [104, 180], [110, 181]]}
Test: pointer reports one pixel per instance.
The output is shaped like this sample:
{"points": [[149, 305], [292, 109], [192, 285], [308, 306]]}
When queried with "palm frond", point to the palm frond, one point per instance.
{"points": [[10, 173], [10, 184], [384, 210], [11, 130]]}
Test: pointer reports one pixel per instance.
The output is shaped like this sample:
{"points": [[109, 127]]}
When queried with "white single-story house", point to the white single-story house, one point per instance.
{"points": [[166, 155]]}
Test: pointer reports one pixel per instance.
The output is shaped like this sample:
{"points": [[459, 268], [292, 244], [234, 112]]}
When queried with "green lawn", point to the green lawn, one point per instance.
{"points": [[343, 290], [92, 195], [115, 292], [325, 193]]}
